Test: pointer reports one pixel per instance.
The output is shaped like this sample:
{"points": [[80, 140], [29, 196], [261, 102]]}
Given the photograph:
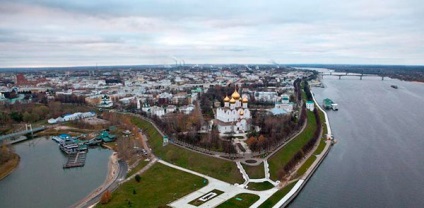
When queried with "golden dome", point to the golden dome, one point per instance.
{"points": [[245, 100], [232, 100], [226, 99], [241, 112], [235, 95]]}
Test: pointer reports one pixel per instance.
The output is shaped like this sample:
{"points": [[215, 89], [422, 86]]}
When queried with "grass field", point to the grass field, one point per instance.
{"points": [[305, 166], [324, 134], [255, 171], [279, 159], [158, 186], [221, 169], [140, 165], [260, 186], [240, 200], [324, 125], [277, 196], [320, 147]]}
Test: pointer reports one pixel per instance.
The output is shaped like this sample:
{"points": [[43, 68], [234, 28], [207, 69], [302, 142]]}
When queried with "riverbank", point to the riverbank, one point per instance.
{"points": [[379, 132], [293, 193], [113, 169], [7, 168]]}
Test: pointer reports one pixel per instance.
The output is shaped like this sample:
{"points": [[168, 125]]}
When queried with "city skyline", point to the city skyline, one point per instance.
{"points": [[79, 33]]}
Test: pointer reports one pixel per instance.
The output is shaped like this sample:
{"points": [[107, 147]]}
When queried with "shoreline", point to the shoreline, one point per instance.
{"points": [[11, 170], [295, 191], [110, 177]]}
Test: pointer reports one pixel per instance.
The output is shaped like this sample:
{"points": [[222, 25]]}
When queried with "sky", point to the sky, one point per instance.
{"points": [[39, 33]]}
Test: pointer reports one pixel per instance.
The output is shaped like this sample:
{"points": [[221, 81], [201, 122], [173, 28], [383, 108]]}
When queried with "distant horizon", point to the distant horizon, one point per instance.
{"points": [[206, 64], [51, 33]]}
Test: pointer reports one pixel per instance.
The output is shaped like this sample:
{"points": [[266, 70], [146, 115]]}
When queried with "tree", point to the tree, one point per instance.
{"points": [[6, 153], [252, 142], [40, 112], [27, 117], [137, 178], [261, 141], [16, 116], [106, 197], [55, 109]]}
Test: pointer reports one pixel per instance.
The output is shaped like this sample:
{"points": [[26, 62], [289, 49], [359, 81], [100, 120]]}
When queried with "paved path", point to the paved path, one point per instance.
{"points": [[256, 180], [228, 189], [242, 142], [266, 166], [243, 173], [94, 197], [150, 164]]}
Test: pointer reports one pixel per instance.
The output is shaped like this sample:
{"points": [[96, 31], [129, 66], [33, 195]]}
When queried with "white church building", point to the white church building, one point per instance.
{"points": [[235, 116]]}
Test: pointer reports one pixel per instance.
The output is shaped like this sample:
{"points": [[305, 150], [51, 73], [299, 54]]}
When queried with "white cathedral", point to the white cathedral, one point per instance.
{"points": [[235, 116]]}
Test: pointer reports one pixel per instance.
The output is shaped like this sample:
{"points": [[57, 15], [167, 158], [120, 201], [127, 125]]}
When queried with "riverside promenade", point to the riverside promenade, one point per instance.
{"points": [[116, 173], [289, 197]]}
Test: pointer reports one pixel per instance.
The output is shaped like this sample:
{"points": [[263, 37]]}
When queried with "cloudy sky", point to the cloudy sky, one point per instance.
{"points": [[116, 32]]}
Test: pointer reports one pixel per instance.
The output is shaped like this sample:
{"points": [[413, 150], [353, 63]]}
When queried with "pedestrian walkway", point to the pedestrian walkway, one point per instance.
{"points": [[305, 177], [150, 164], [243, 173], [228, 189], [256, 180]]}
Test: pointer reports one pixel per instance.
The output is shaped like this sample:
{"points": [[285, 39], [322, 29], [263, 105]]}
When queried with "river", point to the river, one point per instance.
{"points": [[40, 181], [379, 158]]}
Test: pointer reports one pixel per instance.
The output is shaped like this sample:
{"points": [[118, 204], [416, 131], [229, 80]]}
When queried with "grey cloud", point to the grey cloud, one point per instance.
{"points": [[141, 32]]}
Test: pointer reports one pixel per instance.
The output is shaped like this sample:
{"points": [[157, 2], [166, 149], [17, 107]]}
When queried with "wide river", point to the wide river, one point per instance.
{"points": [[40, 180], [379, 158]]}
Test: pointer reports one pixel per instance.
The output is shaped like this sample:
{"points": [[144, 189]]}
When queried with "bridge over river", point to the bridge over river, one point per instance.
{"points": [[13, 137], [340, 75]]}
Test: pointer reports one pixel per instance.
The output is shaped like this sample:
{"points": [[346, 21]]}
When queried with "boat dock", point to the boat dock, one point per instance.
{"points": [[75, 160], [329, 105]]}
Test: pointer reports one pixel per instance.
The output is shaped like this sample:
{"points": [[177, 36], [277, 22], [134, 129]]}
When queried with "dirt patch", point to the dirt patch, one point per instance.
{"points": [[95, 121], [7, 168]]}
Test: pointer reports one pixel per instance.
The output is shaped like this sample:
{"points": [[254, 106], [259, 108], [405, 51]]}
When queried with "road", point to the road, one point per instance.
{"points": [[111, 186]]}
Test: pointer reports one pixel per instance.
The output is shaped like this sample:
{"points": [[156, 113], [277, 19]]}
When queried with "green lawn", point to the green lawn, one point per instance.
{"points": [[303, 94], [218, 168], [240, 200], [140, 166], [324, 133], [279, 159], [305, 166], [255, 171], [277, 196], [320, 147], [322, 118], [260, 186], [158, 186], [198, 202]]}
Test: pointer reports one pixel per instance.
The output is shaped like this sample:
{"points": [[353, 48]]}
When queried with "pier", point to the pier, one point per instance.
{"points": [[75, 160]]}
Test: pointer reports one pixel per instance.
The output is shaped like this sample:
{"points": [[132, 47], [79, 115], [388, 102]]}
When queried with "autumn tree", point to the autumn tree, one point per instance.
{"points": [[252, 142], [261, 142], [106, 197], [55, 109], [6, 153]]}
